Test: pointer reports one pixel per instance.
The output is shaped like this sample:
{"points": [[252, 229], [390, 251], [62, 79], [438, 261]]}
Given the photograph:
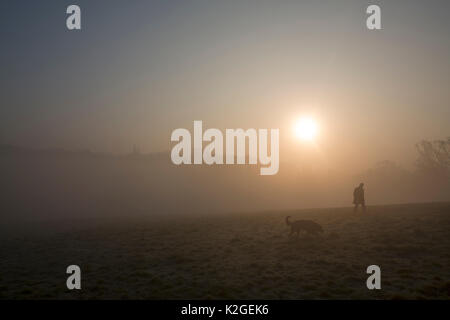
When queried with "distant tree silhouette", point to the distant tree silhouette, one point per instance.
{"points": [[434, 157], [386, 170]]}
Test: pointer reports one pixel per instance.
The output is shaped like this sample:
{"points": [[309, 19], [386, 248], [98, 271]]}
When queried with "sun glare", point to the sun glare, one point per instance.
{"points": [[306, 129]]}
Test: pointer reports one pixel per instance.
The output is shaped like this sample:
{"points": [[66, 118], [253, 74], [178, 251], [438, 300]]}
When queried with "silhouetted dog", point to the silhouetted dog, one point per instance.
{"points": [[308, 226]]}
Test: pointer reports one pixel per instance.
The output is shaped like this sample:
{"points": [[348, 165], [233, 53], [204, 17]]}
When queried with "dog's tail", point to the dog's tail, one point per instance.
{"points": [[287, 221]]}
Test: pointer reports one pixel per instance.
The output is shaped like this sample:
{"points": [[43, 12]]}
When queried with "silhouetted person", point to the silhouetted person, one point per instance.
{"points": [[358, 197]]}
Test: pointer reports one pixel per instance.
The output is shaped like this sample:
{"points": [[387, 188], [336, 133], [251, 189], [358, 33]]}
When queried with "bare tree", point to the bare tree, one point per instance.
{"points": [[434, 157]]}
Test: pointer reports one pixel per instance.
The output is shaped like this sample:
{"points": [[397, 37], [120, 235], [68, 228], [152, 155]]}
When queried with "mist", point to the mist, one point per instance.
{"points": [[58, 187]]}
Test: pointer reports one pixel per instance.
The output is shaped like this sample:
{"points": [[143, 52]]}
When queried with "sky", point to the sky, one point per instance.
{"points": [[140, 69]]}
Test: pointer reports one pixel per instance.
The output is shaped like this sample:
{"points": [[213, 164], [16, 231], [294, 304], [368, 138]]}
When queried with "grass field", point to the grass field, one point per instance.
{"points": [[238, 256]]}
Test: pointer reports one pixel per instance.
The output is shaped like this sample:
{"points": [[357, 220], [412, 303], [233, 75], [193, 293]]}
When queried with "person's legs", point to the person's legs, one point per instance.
{"points": [[363, 205], [355, 208]]}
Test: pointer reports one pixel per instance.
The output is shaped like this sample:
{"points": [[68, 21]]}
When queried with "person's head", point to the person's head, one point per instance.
{"points": [[361, 185]]}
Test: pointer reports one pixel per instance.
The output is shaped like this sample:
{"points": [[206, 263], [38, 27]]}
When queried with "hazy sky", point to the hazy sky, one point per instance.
{"points": [[139, 69]]}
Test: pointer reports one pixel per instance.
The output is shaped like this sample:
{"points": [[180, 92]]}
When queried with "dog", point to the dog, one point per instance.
{"points": [[308, 226]]}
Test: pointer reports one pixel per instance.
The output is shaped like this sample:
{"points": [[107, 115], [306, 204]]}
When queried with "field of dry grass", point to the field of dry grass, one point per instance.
{"points": [[239, 256]]}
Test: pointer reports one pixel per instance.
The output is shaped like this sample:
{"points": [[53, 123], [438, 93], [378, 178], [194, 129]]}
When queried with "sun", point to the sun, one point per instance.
{"points": [[306, 129]]}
